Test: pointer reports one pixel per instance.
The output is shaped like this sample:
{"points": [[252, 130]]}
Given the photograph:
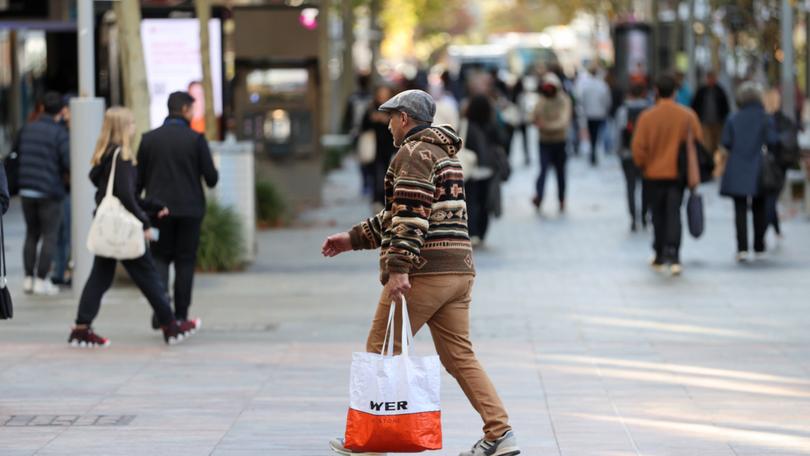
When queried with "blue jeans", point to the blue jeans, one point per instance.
{"points": [[61, 257]]}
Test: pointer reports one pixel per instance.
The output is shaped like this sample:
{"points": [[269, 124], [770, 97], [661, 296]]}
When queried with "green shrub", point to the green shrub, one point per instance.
{"points": [[221, 240], [269, 204], [333, 157]]}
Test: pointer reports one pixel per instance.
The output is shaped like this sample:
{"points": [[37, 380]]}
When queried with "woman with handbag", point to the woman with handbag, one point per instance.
{"points": [[114, 165], [374, 135], [746, 135]]}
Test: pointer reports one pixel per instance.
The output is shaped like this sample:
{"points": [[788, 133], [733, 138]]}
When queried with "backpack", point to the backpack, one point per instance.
{"points": [[633, 112]]}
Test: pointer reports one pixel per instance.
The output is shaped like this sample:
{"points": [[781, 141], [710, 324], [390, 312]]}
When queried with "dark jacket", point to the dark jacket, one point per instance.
{"points": [[385, 142], [171, 161], [44, 150], [744, 134], [702, 98], [4, 197], [124, 186]]}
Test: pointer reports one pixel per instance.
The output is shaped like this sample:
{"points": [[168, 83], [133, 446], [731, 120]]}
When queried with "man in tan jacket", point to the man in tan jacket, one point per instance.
{"points": [[660, 132], [552, 116]]}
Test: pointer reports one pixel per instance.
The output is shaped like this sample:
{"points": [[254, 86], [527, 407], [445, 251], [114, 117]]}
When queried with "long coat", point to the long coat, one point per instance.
{"points": [[744, 134]]}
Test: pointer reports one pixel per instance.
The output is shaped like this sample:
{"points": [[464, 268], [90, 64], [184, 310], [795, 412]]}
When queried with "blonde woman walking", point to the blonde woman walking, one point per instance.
{"points": [[115, 144]]}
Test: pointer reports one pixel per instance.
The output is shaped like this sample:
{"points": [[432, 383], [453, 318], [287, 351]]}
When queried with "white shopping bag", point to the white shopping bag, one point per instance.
{"points": [[394, 400]]}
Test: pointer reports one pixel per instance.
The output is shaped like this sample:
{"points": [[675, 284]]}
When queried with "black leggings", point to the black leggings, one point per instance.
{"points": [[143, 273], [633, 177]]}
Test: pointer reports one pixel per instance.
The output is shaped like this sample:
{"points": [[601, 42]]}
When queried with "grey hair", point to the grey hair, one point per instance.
{"points": [[749, 92]]}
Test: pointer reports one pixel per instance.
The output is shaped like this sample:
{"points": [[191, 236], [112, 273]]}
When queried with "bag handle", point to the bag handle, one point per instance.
{"points": [[692, 166], [4, 283], [407, 332], [111, 179]]}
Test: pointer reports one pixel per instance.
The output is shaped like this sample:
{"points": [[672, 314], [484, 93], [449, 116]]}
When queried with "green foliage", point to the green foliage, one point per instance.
{"points": [[269, 204], [220, 239], [333, 157]]}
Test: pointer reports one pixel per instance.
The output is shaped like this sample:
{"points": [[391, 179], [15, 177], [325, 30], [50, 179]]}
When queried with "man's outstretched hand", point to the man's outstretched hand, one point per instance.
{"points": [[336, 244]]}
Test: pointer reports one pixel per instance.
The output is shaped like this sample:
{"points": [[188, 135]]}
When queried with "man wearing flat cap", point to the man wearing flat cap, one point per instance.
{"points": [[426, 256]]}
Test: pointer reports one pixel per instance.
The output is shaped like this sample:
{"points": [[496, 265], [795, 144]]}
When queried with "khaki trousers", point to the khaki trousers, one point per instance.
{"points": [[443, 303]]}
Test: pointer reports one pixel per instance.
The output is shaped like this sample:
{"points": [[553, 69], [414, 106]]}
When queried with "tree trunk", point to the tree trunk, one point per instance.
{"points": [[376, 38], [348, 76], [136, 89], [203, 8], [325, 79]]}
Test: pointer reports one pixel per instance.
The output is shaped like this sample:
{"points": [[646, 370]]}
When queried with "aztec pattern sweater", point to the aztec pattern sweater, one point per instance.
{"points": [[423, 228]]}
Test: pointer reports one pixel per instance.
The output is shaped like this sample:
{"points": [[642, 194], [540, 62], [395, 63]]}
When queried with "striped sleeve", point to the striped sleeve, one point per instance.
{"points": [[367, 235], [413, 196]]}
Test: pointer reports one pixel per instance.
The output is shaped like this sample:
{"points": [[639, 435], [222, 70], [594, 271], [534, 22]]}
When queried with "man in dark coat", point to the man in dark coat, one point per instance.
{"points": [[712, 107], [172, 160], [43, 147]]}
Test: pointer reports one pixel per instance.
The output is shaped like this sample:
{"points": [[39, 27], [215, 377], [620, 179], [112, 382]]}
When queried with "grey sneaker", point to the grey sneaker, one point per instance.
{"points": [[337, 446], [504, 446]]}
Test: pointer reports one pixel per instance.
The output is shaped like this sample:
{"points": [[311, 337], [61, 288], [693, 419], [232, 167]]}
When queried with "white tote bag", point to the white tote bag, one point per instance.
{"points": [[367, 147], [115, 232], [394, 399]]}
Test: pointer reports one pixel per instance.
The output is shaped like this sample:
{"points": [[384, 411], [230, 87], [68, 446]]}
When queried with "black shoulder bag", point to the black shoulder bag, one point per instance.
{"points": [[6, 309]]}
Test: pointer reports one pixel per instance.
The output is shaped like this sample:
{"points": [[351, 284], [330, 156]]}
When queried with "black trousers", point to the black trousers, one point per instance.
{"points": [[552, 154], [665, 198], [758, 205], [477, 196], [594, 128], [633, 177], [177, 244], [42, 220], [773, 212], [143, 273]]}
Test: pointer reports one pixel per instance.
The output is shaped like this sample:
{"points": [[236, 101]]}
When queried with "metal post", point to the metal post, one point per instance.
{"points": [[788, 84], [87, 113], [689, 32], [87, 67]]}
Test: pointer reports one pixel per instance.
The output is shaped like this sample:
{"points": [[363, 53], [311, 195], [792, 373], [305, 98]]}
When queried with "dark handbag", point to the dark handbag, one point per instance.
{"points": [[771, 177], [705, 162], [6, 308], [694, 214]]}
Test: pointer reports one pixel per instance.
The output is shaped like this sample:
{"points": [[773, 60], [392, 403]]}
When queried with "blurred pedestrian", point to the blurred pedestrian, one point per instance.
{"points": [[626, 120], [593, 95], [114, 154], [552, 116], [659, 134], [376, 123], [173, 159], [786, 152], [525, 97], [684, 95], [427, 257], [481, 139], [60, 274], [712, 107], [356, 107], [745, 134], [447, 110], [616, 99], [44, 161]]}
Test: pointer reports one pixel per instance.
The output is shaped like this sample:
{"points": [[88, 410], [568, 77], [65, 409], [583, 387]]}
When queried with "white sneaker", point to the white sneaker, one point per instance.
{"points": [[44, 287], [742, 256], [28, 284]]}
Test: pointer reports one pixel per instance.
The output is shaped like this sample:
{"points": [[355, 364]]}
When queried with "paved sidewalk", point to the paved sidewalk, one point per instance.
{"points": [[593, 353]]}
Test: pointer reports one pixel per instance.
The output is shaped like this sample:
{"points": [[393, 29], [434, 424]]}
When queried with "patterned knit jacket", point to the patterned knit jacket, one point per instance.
{"points": [[423, 228]]}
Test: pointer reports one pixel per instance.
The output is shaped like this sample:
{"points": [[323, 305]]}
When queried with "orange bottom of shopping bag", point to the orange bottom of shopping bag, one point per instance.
{"points": [[395, 433]]}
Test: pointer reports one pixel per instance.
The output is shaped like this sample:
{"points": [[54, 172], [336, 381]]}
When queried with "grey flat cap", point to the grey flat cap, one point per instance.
{"points": [[417, 103]]}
